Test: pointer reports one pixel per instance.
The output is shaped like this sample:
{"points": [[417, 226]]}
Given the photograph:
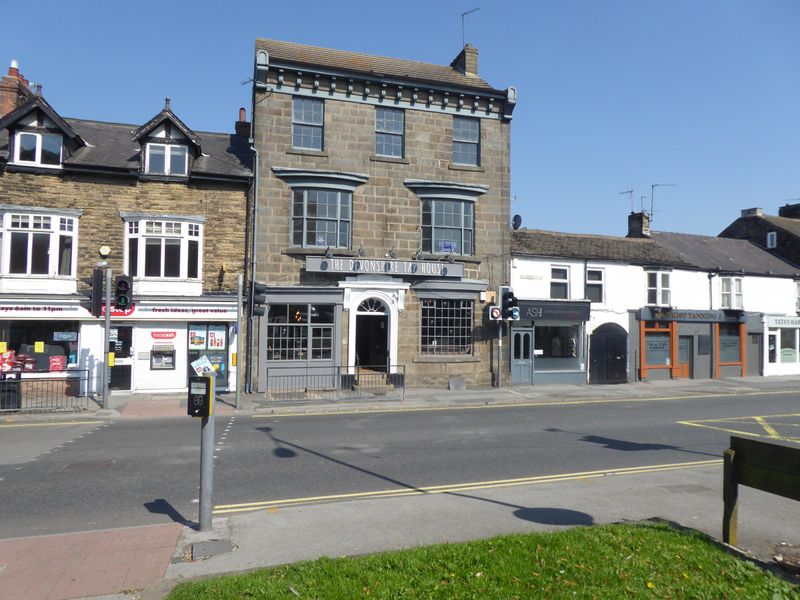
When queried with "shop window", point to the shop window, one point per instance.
{"points": [[729, 343], [38, 244], [731, 292], [166, 159], [594, 285], [772, 348], [657, 349], [788, 345], [559, 283], [38, 345], [39, 149], [658, 291], [164, 249], [556, 347], [446, 327], [389, 131], [448, 226], [300, 332], [307, 123], [466, 141], [321, 218]]}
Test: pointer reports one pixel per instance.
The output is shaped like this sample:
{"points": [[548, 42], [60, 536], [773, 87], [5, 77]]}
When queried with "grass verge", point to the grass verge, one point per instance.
{"points": [[613, 561]]}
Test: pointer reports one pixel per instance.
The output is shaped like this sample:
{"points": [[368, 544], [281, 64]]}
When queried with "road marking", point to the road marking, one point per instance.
{"points": [[727, 424], [460, 487], [61, 424], [517, 405]]}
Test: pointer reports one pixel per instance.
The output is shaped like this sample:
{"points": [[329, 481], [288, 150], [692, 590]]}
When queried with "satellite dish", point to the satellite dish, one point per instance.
{"points": [[516, 222]]}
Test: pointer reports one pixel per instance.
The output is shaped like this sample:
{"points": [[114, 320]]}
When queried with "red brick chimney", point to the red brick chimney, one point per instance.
{"points": [[467, 61], [242, 125], [14, 90]]}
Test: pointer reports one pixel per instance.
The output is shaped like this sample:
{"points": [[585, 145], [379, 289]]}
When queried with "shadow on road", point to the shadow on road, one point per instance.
{"points": [[162, 507], [626, 445]]}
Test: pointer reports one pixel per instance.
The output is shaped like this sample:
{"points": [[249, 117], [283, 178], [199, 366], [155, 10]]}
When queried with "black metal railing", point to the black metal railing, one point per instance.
{"points": [[335, 383], [31, 391]]}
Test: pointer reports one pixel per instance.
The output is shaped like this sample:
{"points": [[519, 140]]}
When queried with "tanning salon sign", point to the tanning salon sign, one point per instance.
{"points": [[408, 268]]}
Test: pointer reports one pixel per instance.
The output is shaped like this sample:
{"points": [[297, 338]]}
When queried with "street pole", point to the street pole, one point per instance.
{"points": [[239, 379], [207, 463], [500, 354], [106, 337]]}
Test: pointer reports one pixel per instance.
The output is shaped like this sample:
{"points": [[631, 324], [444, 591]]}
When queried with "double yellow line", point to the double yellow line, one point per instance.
{"points": [[221, 509]]}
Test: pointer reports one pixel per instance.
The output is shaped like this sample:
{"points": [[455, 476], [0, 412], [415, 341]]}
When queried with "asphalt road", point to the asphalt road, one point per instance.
{"points": [[75, 477]]}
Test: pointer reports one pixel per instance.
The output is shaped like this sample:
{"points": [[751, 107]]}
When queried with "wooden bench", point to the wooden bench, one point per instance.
{"points": [[764, 466]]}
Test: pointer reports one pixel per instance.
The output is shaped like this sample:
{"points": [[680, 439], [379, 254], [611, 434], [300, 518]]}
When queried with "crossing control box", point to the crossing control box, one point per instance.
{"points": [[201, 396]]}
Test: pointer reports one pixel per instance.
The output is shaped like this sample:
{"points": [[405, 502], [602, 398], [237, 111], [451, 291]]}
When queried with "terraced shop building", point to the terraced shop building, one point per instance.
{"points": [[382, 212]]}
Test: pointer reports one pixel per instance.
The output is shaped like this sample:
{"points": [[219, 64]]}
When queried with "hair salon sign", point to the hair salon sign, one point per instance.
{"points": [[402, 268]]}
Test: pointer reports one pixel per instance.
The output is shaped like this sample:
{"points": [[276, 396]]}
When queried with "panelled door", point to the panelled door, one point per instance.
{"points": [[522, 355], [685, 352]]}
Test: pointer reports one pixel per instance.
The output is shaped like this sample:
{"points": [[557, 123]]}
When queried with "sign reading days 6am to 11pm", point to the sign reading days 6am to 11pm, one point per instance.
{"points": [[412, 268]]}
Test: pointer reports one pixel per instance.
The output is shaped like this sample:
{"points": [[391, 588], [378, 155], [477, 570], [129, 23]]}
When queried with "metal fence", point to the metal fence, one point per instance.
{"points": [[335, 383], [31, 391]]}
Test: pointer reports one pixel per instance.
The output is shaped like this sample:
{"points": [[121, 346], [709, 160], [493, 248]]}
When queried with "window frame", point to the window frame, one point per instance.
{"points": [[595, 283], [168, 151], [40, 137], [386, 133], [467, 233], [338, 220], [559, 281], [468, 143], [734, 296], [433, 326], [143, 228], [659, 289], [772, 239], [57, 227], [298, 121], [303, 339]]}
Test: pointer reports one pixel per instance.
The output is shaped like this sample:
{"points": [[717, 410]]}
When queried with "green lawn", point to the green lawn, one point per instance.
{"points": [[615, 561]]}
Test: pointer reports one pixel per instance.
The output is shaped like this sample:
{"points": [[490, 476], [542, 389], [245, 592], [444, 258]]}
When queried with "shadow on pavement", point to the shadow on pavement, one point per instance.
{"points": [[554, 516]]}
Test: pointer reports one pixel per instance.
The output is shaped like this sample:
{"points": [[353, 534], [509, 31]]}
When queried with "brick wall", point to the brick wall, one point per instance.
{"points": [[102, 198]]}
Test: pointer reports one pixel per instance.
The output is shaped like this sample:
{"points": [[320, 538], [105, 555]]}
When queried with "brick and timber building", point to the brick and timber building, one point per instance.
{"points": [[382, 213]]}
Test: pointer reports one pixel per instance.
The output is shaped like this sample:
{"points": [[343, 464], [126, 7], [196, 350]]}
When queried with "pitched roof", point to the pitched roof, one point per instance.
{"points": [[166, 114], [723, 254], [368, 65], [785, 223], [38, 102], [639, 251]]}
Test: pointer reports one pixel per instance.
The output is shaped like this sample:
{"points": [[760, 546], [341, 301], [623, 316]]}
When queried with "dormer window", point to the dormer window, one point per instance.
{"points": [[166, 159], [40, 149]]}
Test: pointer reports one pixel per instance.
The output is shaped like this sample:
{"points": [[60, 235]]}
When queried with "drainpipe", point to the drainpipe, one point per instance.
{"points": [[253, 264]]}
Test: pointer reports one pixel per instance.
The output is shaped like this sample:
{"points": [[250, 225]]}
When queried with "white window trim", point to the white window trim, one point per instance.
{"points": [[733, 298], [37, 162], [167, 159], [660, 288], [55, 233], [772, 239], [142, 236], [600, 282], [565, 280]]}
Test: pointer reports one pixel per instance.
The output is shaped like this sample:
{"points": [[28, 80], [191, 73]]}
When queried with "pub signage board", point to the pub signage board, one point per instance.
{"points": [[406, 268]]}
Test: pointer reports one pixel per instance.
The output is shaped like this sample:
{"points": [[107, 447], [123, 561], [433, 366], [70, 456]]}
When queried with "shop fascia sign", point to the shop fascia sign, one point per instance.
{"points": [[33, 310], [783, 321], [186, 311], [670, 314], [407, 268]]}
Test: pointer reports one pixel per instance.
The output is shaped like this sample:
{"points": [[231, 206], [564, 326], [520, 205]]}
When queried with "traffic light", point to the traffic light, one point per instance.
{"points": [[258, 299], [508, 304], [96, 293], [123, 292]]}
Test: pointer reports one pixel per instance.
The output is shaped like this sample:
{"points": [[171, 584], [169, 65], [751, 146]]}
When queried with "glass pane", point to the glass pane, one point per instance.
{"points": [[307, 136], [594, 275], [19, 253], [152, 258], [788, 345], [172, 257], [298, 313], [558, 290], [652, 280], [297, 232], [156, 161], [27, 147], [726, 285], [517, 346], [558, 273], [40, 254], [278, 313], [526, 346], [177, 160], [657, 349], [193, 267], [133, 257], [51, 149], [665, 280], [322, 313], [65, 255], [652, 296], [594, 292], [729, 343]]}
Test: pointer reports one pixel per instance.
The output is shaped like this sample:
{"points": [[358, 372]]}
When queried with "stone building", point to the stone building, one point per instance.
{"points": [[168, 204], [778, 235], [382, 213]]}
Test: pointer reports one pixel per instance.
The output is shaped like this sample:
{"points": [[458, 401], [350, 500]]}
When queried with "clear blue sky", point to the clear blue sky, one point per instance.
{"points": [[612, 94]]}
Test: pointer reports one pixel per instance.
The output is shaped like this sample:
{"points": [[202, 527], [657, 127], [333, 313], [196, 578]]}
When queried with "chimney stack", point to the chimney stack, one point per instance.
{"points": [[790, 211], [639, 225], [242, 126], [752, 212], [467, 61], [14, 90]]}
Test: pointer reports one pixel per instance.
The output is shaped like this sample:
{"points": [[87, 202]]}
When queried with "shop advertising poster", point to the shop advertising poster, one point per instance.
{"points": [[216, 337], [197, 338]]}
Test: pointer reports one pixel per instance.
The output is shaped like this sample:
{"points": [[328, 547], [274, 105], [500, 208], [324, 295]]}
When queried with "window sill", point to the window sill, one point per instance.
{"points": [[302, 152], [444, 358], [388, 159], [33, 168], [457, 167], [164, 178], [318, 251], [473, 260]]}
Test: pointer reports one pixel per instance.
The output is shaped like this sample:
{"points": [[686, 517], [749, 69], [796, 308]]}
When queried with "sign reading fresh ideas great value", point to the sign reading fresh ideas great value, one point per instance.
{"points": [[408, 268]]}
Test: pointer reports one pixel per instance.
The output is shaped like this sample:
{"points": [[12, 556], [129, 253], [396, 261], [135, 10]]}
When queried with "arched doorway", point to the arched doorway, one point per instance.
{"points": [[372, 335], [608, 354]]}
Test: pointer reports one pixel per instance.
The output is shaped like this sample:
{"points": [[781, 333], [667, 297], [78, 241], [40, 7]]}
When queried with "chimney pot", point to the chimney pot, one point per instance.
{"points": [[242, 115]]}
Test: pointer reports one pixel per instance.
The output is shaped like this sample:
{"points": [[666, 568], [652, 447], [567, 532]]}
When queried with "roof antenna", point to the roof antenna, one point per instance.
{"points": [[652, 188], [629, 191], [464, 14]]}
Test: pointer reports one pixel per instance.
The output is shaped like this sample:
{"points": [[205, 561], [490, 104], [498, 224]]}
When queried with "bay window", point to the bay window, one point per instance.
{"points": [[39, 244]]}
